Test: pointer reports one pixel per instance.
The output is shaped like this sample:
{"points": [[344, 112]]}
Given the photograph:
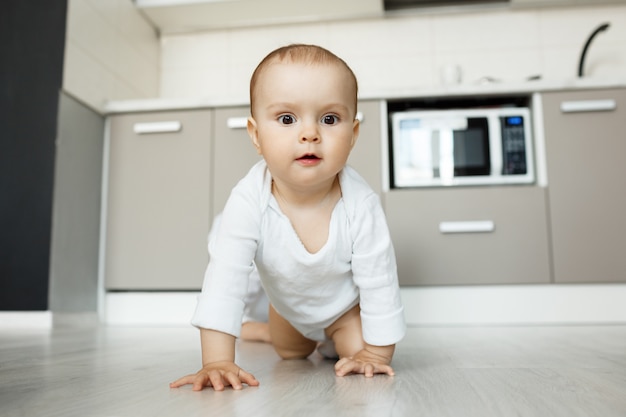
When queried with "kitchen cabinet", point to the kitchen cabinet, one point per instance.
{"points": [[158, 200], [463, 236], [538, 3], [366, 154], [585, 147], [568, 3], [166, 183], [235, 153]]}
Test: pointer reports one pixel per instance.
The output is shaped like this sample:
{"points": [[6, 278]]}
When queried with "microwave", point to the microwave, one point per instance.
{"points": [[459, 147]]}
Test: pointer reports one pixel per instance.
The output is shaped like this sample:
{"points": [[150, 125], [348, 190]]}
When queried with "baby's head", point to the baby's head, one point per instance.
{"points": [[300, 54]]}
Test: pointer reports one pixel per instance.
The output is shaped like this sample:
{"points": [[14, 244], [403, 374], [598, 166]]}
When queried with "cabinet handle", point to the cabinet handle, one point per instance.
{"points": [[237, 122], [588, 105], [157, 127], [481, 226], [242, 122]]}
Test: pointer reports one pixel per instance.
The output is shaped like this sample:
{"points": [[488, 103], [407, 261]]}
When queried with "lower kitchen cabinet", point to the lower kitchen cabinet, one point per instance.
{"points": [[465, 236], [366, 154], [169, 173], [585, 148], [234, 152], [158, 200]]}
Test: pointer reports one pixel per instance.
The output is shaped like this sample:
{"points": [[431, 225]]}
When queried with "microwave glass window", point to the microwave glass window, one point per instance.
{"points": [[471, 150], [414, 153], [427, 150]]}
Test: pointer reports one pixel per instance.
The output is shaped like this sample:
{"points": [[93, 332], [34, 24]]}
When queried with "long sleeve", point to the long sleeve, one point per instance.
{"points": [[375, 273], [221, 303]]}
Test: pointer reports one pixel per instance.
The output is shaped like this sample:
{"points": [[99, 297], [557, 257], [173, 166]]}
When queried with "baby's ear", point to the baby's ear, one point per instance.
{"points": [[253, 132], [355, 131]]}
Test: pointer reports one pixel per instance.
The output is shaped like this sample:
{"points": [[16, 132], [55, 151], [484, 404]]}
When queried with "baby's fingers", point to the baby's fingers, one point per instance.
{"points": [[219, 379], [187, 379], [216, 380], [346, 366], [199, 381], [248, 378]]}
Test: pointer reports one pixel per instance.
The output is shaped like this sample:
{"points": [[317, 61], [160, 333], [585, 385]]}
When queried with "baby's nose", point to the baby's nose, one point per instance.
{"points": [[309, 133]]}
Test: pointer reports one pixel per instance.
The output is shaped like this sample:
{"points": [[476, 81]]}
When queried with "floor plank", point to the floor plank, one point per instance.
{"points": [[440, 371]]}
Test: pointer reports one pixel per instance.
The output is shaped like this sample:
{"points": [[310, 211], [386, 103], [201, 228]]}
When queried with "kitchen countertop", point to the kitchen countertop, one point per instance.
{"points": [[488, 88]]}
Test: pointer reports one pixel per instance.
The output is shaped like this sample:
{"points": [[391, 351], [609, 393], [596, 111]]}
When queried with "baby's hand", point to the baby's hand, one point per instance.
{"points": [[363, 362], [217, 375]]}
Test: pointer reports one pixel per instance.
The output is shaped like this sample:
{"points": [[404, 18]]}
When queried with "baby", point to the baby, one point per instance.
{"points": [[310, 225]]}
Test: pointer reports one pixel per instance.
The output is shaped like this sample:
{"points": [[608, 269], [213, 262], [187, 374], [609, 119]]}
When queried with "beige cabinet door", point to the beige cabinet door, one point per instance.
{"points": [[585, 134], [466, 236], [234, 152], [158, 206], [366, 155]]}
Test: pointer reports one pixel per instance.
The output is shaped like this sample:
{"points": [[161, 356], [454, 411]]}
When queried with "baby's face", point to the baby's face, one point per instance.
{"points": [[304, 121]]}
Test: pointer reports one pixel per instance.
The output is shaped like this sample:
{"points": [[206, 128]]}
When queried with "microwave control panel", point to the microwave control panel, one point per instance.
{"points": [[513, 145]]}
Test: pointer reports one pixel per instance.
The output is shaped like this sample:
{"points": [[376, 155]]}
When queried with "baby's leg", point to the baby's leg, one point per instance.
{"points": [[287, 341], [347, 333]]}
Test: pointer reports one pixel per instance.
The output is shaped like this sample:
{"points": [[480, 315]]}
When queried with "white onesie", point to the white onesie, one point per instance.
{"points": [[311, 290]]}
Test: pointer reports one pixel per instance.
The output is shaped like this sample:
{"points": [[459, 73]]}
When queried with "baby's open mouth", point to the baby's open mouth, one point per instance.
{"points": [[308, 156]]}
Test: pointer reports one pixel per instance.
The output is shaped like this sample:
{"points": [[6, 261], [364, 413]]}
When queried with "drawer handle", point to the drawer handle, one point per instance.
{"points": [[588, 105], [242, 122], [237, 122], [157, 127], [482, 226]]}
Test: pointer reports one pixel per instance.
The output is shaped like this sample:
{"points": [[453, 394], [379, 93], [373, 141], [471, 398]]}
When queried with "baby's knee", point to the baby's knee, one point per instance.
{"points": [[302, 352]]}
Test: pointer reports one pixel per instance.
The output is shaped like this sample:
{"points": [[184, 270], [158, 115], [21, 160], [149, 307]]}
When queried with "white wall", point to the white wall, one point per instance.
{"points": [[395, 54], [111, 53]]}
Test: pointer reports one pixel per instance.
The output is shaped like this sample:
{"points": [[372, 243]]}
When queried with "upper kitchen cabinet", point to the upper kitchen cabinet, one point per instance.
{"points": [[180, 16], [585, 148], [171, 16], [470, 235], [551, 3], [158, 200]]}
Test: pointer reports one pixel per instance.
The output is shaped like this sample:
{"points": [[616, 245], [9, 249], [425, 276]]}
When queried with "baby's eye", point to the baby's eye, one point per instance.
{"points": [[286, 119], [330, 119]]}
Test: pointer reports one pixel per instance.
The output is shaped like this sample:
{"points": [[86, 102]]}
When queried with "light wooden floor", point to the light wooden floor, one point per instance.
{"points": [[454, 371]]}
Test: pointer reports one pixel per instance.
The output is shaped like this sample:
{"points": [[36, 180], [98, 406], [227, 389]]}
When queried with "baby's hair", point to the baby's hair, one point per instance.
{"points": [[301, 54]]}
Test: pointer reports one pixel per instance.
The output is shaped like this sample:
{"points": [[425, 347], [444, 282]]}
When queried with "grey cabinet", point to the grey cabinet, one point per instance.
{"points": [[585, 148], [234, 152], [366, 154], [158, 200], [163, 189], [463, 236]]}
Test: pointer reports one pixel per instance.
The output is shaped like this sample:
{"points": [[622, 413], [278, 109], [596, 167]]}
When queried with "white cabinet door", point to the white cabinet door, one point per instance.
{"points": [[158, 207]]}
